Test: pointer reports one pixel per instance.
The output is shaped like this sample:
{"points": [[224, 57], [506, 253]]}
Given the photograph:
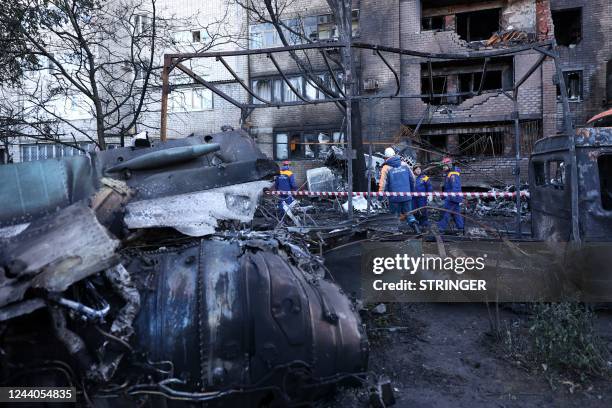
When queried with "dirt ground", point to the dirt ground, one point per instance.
{"points": [[443, 355]]}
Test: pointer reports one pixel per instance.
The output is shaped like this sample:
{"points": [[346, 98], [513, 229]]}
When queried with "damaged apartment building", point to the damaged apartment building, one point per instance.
{"points": [[477, 130]]}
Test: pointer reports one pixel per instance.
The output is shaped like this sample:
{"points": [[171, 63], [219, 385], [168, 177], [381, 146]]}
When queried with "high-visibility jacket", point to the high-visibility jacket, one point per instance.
{"points": [[396, 176], [285, 181], [422, 185], [452, 184]]}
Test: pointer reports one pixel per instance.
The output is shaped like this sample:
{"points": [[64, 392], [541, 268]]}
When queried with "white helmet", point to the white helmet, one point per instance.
{"points": [[389, 152]]}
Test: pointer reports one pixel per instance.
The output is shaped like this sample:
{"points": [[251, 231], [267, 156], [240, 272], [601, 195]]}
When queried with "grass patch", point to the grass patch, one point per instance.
{"points": [[564, 338], [559, 339]]}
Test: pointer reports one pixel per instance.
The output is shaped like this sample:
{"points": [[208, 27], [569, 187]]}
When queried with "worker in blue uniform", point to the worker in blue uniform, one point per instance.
{"points": [[422, 185], [396, 176], [285, 181], [452, 184]]}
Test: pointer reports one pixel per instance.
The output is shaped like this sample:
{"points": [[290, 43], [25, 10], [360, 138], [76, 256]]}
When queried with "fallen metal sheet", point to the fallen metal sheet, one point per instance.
{"points": [[32, 189], [359, 204], [56, 251], [197, 214], [155, 184]]}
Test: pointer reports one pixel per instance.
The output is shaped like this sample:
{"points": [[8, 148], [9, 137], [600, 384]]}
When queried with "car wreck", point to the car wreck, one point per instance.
{"points": [[195, 310]]}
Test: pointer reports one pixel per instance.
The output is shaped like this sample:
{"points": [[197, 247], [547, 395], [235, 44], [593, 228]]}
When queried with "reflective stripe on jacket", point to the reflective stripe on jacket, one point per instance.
{"points": [[452, 184], [285, 181], [422, 185]]}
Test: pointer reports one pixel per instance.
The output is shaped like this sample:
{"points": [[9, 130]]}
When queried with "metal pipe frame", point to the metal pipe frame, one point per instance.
{"points": [[289, 84], [172, 61], [546, 49], [241, 82]]}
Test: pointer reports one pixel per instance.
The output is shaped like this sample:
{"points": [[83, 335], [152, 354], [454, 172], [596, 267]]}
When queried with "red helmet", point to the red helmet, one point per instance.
{"points": [[447, 160], [286, 162]]}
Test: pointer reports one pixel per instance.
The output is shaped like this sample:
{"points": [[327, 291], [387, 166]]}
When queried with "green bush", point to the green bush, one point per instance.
{"points": [[564, 338]]}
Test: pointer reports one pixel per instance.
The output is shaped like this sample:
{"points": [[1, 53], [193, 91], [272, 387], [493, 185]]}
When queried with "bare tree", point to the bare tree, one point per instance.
{"points": [[273, 12], [91, 56], [90, 68]]}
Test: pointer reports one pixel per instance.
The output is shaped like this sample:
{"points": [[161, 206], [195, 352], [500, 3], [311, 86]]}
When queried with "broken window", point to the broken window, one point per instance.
{"points": [[539, 174], [478, 25], [604, 163], [551, 173], [437, 144], [481, 144], [556, 174], [439, 87], [311, 144], [432, 23], [454, 77], [568, 26], [470, 82], [573, 84]]}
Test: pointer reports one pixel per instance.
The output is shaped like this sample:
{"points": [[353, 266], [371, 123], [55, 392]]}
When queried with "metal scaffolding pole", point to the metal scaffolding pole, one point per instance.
{"points": [[517, 165], [349, 101], [164, 99]]}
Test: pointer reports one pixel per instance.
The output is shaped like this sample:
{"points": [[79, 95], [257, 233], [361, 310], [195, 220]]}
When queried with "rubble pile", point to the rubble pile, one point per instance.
{"points": [[155, 274]]}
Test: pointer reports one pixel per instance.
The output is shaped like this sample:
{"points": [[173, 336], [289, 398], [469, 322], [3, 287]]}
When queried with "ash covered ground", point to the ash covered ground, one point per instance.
{"points": [[465, 354], [445, 355]]}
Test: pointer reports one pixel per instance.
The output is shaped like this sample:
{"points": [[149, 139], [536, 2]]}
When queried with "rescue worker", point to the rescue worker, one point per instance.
{"points": [[396, 176], [422, 185], [285, 181], [452, 184]]}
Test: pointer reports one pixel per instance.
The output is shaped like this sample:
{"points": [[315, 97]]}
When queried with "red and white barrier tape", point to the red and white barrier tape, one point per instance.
{"points": [[505, 195]]}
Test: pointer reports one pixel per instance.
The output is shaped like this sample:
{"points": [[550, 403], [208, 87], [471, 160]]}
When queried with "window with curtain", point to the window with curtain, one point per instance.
{"points": [[289, 95]]}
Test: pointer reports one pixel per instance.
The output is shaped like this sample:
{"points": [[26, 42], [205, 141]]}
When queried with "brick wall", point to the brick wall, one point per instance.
{"points": [[493, 171], [590, 55]]}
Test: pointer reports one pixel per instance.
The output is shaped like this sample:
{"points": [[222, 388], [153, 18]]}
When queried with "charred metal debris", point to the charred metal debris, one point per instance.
{"points": [[159, 274], [125, 273]]}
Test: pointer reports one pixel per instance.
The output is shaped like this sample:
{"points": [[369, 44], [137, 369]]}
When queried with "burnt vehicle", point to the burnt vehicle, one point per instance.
{"points": [[551, 192], [131, 274], [585, 261]]}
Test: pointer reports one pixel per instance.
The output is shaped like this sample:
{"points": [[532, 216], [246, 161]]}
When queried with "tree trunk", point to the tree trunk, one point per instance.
{"points": [[100, 124]]}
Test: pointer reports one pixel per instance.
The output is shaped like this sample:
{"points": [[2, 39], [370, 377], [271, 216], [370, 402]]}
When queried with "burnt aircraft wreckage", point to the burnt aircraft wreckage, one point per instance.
{"points": [[211, 313]]}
